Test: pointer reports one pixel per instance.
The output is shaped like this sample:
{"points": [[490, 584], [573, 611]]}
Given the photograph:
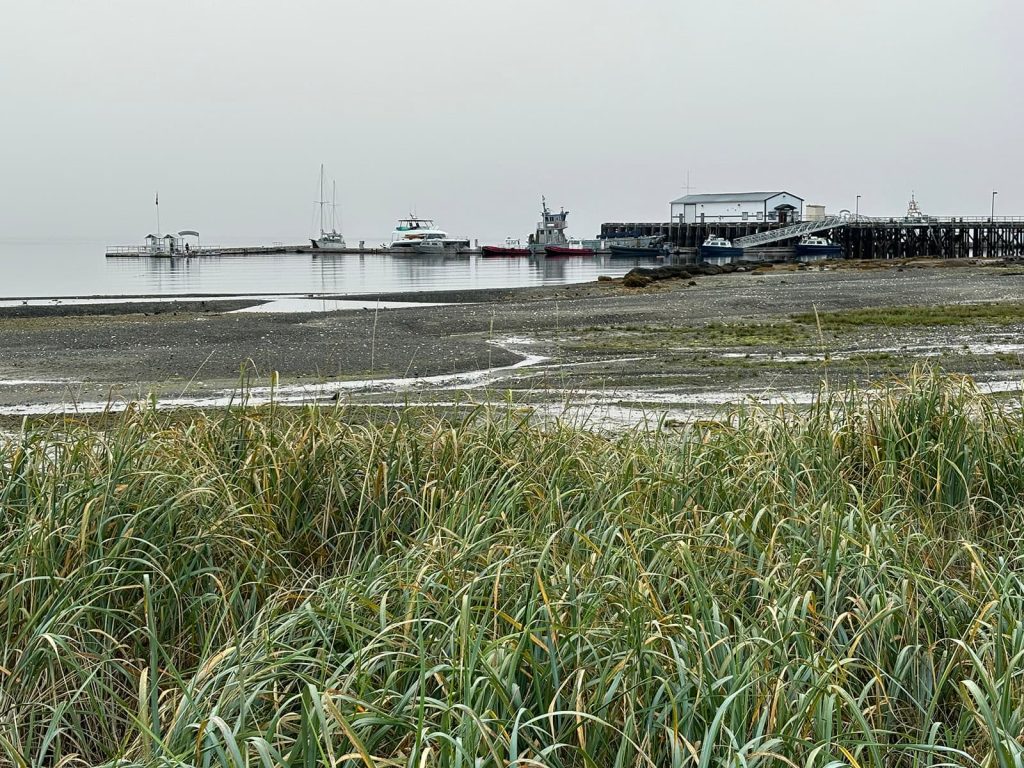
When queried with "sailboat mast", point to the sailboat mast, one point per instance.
{"points": [[321, 198], [334, 206]]}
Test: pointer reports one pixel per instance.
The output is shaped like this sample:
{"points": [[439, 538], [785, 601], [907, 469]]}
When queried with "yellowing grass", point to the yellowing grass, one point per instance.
{"points": [[836, 587]]}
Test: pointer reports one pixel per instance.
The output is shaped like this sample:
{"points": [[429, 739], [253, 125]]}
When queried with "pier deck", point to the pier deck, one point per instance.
{"points": [[113, 252]]}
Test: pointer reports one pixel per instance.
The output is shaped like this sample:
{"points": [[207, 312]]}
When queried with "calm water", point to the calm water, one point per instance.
{"points": [[80, 269]]}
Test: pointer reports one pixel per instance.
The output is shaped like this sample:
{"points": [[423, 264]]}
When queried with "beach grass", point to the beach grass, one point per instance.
{"points": [[916, 316], [841, 585]]}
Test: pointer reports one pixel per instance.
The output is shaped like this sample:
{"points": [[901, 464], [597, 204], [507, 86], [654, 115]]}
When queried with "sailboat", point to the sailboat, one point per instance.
{"points": [[333, 240]]}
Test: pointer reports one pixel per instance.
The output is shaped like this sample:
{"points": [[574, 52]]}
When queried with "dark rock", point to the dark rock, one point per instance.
{"points": [[635, 280]]}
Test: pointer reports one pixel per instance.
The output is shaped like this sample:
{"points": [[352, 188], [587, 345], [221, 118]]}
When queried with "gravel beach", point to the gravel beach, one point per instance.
{"points": [[665, 336]]}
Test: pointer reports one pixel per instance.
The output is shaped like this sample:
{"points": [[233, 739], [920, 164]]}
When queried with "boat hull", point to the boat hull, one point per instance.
{"points": [[328, 244], [429, 247], [499, 251], [628, 252], [564, 250]]}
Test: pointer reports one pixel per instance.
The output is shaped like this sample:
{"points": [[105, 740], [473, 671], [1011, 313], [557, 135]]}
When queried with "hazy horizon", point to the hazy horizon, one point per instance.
{"points": [[468, 112]]}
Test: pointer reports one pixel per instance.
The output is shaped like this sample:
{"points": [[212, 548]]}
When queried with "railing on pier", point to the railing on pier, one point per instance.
{"points": [[131, 250], [926, 220], [144, 250]]}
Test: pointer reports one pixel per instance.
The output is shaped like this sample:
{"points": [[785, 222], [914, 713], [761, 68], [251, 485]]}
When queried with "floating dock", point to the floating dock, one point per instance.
{"points": [[861, 237]]}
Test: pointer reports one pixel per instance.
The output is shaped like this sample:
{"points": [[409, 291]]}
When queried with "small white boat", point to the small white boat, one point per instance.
{"points": [[430, 244], [813, 247], [719, 248], [331, 240]]}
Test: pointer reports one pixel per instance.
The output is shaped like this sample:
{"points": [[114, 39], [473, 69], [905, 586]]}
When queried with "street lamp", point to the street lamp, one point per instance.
{"points": [[994, 193], [858, 205]]}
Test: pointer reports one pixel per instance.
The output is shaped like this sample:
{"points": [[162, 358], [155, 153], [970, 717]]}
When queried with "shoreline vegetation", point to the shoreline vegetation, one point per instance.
{"points": [[836, 585]]}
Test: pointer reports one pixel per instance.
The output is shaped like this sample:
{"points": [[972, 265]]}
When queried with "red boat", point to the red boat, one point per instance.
{"points": [[565, 250], [502, 250]]}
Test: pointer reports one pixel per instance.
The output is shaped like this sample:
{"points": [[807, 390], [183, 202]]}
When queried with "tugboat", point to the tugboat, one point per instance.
{"points": [[813, 247], [719, 249], [511, 249], [550, 236]]}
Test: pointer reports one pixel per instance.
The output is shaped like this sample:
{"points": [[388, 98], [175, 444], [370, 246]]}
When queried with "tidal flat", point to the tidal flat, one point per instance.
{"points": [[669, 349]]}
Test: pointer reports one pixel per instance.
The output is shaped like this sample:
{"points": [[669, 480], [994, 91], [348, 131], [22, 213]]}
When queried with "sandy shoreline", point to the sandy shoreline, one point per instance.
{"points": [[596, 337]]}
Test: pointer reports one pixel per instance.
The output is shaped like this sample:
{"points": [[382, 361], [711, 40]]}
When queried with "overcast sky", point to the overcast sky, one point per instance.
{"points": [[470, 110]]}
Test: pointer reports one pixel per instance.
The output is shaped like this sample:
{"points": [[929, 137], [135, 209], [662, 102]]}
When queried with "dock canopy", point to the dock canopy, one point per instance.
{"points": [[187, 232]]}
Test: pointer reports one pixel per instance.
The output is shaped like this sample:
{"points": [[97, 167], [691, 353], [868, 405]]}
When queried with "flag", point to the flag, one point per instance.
{"points": [[157, 199]]}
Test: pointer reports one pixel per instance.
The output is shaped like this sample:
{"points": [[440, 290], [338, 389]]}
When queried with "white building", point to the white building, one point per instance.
{"points": [[779, 207]]}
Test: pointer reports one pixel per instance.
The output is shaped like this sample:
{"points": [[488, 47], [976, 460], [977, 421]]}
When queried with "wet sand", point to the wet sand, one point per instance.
{"points": [[595, 337]]}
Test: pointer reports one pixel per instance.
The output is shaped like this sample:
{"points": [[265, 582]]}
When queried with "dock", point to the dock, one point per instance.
{"points": [[114, 252], [861, 237]]}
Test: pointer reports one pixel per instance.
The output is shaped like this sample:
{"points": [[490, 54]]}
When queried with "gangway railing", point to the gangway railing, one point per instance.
{"points": [[794, 230]]}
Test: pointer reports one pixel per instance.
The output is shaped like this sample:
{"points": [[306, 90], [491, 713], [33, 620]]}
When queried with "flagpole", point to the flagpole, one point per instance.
{"points": [[157, 214]]}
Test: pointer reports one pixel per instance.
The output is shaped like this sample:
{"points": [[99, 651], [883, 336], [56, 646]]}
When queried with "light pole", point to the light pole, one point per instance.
{"points": [[858, 205], [992, 224]]}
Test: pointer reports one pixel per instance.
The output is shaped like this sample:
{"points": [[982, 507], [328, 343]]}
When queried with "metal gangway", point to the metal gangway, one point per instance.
{"points": [[794, 230]]}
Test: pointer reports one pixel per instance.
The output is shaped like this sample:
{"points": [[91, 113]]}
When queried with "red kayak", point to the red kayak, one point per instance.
{"points": [[563, 250], [500, 250]]}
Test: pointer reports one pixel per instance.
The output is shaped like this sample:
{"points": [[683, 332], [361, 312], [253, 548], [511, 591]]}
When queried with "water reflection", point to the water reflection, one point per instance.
{"points": [[68, 273]]}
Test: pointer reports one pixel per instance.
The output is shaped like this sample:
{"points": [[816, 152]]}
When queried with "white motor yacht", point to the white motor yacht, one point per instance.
{"points": [[416, 235], [413, 230]]}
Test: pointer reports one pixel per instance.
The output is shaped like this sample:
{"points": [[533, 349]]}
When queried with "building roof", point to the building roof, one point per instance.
{"points": [[731, 197]]}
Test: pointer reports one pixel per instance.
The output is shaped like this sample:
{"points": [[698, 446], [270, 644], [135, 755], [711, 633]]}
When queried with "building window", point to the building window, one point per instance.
{"points": [[760, 216], [746, 215]]}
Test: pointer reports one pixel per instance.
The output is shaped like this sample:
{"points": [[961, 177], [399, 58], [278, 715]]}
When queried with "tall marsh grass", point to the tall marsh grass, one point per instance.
{"points": [[841, 586]]}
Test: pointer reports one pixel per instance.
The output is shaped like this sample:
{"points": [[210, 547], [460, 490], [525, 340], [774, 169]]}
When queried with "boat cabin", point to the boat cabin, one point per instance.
{"points": [[184, 243], [414, 224], [551, 228]]}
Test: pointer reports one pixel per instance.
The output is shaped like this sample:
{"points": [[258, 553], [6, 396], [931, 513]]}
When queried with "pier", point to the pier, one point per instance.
{"points": [[861, 237], [118, 251]]}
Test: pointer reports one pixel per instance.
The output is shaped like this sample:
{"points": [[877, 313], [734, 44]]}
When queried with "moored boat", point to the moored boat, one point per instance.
{"points": [[568, 250], [814, 247], [511, 249], [550, 231], [717, 248], [430, 244], [331, 240], [634, 252]]}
